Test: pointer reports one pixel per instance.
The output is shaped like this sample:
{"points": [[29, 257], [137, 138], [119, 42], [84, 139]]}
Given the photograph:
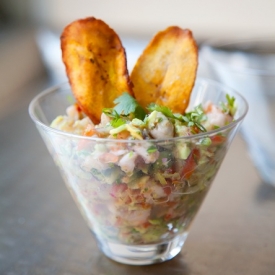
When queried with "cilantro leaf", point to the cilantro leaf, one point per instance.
{"points": [[139, 113], [126, 104]]}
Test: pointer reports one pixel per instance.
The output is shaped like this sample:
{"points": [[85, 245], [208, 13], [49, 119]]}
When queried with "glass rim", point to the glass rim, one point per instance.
{"points": [[218, 44], [98, 139]]}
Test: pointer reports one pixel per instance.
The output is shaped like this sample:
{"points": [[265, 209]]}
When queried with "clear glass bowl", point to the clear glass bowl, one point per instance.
{"points": [[140, 216]]}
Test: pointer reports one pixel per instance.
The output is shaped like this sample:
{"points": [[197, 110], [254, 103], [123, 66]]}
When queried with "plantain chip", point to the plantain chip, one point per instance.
{"points": [[165, 72], [95, 63]]}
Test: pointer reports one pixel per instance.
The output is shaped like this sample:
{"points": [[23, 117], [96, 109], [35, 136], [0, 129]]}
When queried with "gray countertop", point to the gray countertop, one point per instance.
{"points": [[42, 232]]}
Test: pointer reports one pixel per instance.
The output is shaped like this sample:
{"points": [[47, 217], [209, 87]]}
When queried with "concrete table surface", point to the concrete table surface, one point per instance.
{"points": [[42, 231]]}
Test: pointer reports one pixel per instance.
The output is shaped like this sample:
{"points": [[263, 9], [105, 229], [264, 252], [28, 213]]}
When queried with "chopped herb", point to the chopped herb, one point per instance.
{"points": [[230, 106], [110, 112], [116, 122], [151, 149], [160, 119], [230, 100], [116, 119], [139, 112], [163, 109], [126, 104], [193, 118]]}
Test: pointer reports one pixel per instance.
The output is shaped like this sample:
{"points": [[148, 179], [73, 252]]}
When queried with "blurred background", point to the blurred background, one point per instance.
{"points": [[30, 29]]}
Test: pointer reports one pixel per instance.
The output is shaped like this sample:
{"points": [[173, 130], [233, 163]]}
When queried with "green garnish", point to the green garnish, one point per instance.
{"points": [[151, 149], [126, 105], [117, 122], [230, 106], [193, 118], [116, 119], [110, 113], [163, 109]]}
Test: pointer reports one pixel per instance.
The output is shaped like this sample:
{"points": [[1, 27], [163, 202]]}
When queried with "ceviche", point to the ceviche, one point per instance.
{"points": [[135, 177]]}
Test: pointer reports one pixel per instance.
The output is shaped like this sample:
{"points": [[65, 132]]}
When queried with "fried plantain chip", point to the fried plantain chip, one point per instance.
{"points": [[95, 63], [165, 72]]}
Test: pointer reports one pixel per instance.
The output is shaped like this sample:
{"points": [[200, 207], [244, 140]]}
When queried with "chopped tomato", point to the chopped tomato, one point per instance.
{"points": [[218, 139], [171, 203], [168, 217], [167, 190], [89, 131], [190, 163], [146, 224]]}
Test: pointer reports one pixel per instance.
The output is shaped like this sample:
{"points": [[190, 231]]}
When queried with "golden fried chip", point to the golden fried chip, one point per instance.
{"points": [[95, 63], [165, 72]]}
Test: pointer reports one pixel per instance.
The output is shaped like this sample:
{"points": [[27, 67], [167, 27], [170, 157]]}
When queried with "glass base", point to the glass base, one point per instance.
{"points": [[143, 254]]}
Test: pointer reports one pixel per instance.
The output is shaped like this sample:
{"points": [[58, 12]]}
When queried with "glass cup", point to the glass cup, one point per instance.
{"points": [[248, 65], [138, 197]]}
